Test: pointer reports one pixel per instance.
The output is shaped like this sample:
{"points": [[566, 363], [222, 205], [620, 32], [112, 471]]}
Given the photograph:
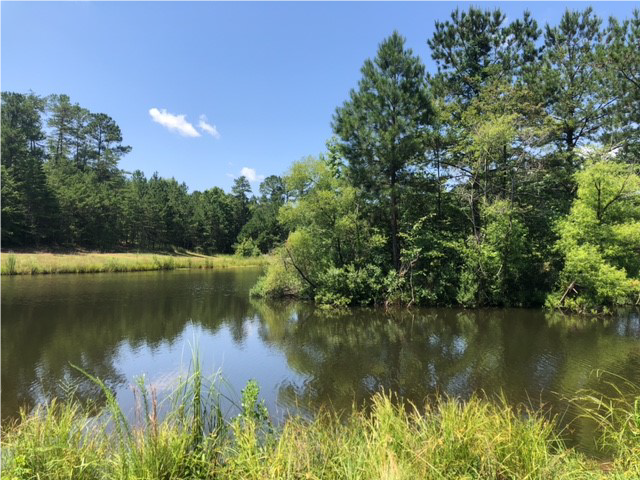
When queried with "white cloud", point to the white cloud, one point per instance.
{"points": [[175, 123], [587, 151], [208, 128], [251, 174]]}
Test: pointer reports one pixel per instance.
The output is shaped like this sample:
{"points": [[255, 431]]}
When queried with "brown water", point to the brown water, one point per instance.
{"points": [[120, 326]]}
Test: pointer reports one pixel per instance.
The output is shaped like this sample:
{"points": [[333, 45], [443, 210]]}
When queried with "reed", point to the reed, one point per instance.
{"points": [[475, 439], [10, 265], [617, 419], [47, 263]]}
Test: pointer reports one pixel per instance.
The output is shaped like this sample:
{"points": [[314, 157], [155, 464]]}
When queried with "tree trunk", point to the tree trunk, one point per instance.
{"points": [[394, 224], [439, 186]]}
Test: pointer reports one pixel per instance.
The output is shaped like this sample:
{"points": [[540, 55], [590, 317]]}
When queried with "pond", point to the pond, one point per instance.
{"points": [[123, 325]]}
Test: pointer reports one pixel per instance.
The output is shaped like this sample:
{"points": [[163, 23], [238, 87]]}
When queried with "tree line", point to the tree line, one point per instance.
{"points": [[61, 187], [509, 176]]}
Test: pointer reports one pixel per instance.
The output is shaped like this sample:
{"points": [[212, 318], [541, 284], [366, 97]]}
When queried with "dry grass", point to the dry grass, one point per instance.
{"points": [[80, 262]]}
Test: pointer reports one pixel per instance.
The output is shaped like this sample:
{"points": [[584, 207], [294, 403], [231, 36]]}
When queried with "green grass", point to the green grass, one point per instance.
{"points": [[617, 417], [37, 263], [447, 439]]}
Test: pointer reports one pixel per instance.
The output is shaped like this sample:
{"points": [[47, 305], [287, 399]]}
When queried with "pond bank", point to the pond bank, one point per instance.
{"points": [[81, 262], [449, 439]]}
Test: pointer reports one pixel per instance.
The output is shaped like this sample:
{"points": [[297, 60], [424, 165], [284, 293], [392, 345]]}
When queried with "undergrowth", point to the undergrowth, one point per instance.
{"points": [[447, 438]]}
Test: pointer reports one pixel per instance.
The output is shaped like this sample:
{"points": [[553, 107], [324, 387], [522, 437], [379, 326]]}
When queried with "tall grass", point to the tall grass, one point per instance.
{"points": [[56, 441], [39, 263], [617, 420], [447, 439], [9, 267]]}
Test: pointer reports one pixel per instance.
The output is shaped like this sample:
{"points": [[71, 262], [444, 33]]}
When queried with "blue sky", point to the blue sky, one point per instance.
{"points": [[267, 76]]}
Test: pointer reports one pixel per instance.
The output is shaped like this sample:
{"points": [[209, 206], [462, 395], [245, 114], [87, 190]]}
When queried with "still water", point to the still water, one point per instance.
{"points": [[121, 326]]}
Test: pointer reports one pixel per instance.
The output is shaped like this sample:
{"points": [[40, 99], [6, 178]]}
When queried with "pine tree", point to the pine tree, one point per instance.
{"points": [[382, 128]]}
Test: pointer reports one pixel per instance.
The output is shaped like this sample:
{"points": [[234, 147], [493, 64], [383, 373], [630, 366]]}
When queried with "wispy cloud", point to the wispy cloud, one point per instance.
{"points": [[174, 123], [251, 174], [207, 127]]}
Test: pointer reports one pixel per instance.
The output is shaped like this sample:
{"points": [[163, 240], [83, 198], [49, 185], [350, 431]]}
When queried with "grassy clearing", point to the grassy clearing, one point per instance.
{"points": [[477, 439], [35, 263]]}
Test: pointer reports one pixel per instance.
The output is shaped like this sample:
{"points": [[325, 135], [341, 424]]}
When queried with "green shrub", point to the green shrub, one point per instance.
{"points": [[277, 282], [246, 248], [351, 286], [592, 284]]}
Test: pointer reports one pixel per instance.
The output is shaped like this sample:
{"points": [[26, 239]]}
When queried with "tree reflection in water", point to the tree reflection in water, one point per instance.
{"points": [[325, 358], [532, 357]]}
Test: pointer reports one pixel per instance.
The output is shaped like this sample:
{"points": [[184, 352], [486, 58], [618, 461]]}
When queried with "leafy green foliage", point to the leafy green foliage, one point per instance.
{"points": [[329, 244], [14, 209], [496, 261], [279, 281], [263, 227], [600, 238], [382, 129], [247, 248], [461, 186]]}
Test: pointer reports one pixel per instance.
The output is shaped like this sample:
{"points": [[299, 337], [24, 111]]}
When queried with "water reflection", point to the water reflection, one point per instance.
{"points": [[116, 326], [50, 322], [527, 354]]}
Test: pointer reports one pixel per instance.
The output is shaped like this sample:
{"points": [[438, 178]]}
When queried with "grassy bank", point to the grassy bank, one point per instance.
{"points": [[477, 439], [35, 263]]}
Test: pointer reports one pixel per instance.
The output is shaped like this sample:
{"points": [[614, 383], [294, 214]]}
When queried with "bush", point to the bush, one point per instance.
{"points": [[592, 284], [277, 282], [246, 248], [351, 286]]}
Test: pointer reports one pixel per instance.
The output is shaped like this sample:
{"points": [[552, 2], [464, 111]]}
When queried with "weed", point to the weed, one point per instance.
{"points": [[10, 265]]}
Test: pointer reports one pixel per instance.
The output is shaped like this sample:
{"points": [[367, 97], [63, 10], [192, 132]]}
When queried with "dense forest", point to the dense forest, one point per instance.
{"points": [[510, 176], [61, 187]]}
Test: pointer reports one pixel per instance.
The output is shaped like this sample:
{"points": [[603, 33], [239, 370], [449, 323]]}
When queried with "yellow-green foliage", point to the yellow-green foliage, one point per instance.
{"points": [[57, 441], [600, 237], [496, 262], [32, 263], [450, 439], [328, 240], [279, 280]]}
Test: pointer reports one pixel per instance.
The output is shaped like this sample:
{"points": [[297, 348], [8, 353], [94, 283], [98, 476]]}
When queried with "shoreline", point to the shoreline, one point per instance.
{"points": [[476, 438], [42, 263]]}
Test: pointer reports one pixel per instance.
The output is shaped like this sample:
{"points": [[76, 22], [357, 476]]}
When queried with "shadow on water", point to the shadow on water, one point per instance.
{"points": [[305, 358]]}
